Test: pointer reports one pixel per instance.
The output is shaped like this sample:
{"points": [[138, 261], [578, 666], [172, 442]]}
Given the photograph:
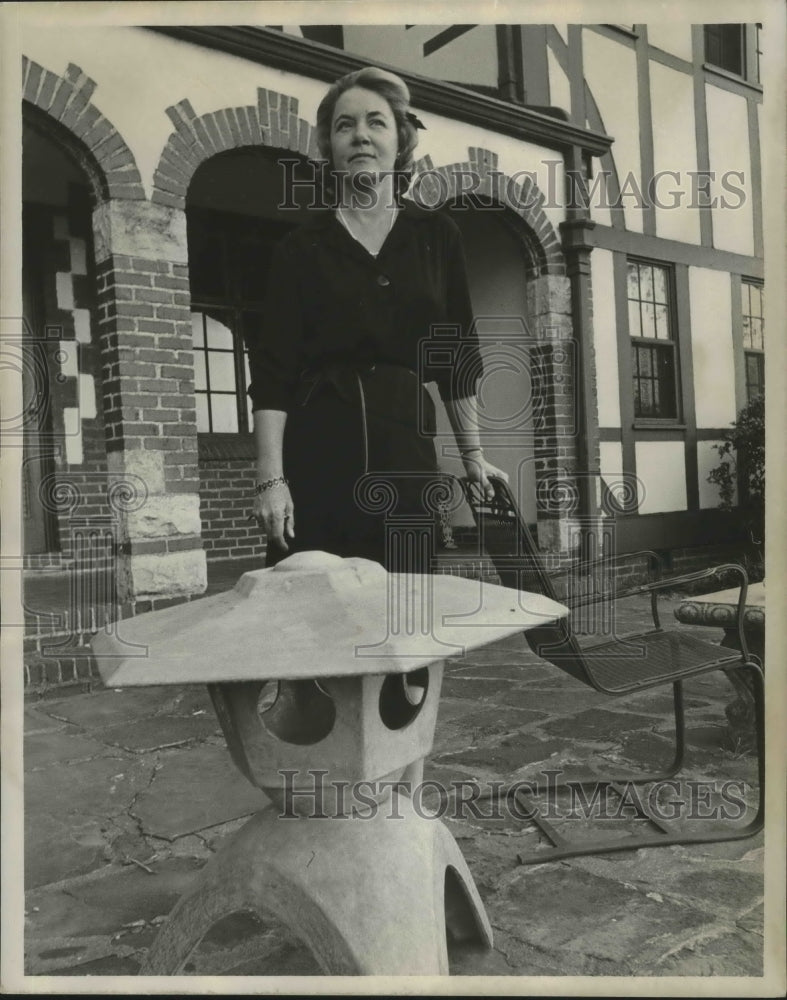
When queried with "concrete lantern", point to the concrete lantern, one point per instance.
{"points": [[325, 675]]}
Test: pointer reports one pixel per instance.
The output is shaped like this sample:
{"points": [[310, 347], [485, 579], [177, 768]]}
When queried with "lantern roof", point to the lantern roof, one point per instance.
{"points": [[316, 615]]}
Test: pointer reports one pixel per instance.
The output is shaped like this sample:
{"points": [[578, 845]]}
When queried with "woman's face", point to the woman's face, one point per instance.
{"points": [[363, 133]]}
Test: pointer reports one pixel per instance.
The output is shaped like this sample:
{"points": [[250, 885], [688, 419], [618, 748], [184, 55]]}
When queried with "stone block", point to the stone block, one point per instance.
{"points": [[168, 574], [148, 466], [140, 229], [557, 535], [549, 293], [552, 326], [164, 515]]}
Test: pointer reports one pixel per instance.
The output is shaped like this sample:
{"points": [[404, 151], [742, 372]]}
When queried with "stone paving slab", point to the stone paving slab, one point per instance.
{"points": [[160, 732], [129, 793], [192, 792], [58, 746]]}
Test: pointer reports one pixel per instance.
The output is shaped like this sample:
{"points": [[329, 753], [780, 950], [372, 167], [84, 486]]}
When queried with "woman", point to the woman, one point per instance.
{"points": [[356, 300]]}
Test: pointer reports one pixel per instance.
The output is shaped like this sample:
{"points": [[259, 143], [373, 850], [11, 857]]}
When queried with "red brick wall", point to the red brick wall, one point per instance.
{"points": [[149, 383], [226, 491]]}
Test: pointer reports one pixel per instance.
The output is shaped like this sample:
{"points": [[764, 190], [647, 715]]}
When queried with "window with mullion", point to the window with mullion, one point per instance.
{"points": [[753, 316], [219, 385], [654, 354], [228, 260], [734, 48], [725, 47]]}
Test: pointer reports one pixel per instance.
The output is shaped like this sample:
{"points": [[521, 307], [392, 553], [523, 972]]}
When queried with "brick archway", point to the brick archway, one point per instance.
{"points": [[87, 133], [446, 183], [272, 122]]}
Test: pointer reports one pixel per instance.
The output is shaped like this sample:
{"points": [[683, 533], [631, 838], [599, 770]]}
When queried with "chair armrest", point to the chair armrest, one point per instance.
{"points": [[706, 574], [697, 575]]}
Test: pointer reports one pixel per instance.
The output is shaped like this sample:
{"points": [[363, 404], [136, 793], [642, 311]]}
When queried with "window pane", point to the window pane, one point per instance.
{"points": [[646, 399], [745, 307], [662, 323], [724, 46], [657, 409], [712, 43], [200, 380], [222, 371], [756, 334], [635, 328], [648, 320], [746, 331], [218, 333], [225, 413], [646, 282], [632, 280], [732, 47], [755, 293], [654, 382], [755, 375], [203, 424], [660, 285], [197, 331]]}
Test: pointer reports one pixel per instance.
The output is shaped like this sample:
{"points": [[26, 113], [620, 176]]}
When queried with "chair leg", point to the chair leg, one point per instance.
{"points": [[664, 832]]}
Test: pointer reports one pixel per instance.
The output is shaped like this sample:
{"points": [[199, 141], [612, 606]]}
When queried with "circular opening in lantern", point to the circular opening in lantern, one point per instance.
{"points": [[402, 697], [300, 712]]}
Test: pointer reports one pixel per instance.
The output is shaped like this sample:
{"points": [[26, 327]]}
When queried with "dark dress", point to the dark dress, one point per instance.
{"points": [[348, 342]]}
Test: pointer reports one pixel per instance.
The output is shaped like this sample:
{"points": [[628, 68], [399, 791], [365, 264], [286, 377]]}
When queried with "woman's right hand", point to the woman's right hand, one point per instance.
{"points": [[274, 512]]}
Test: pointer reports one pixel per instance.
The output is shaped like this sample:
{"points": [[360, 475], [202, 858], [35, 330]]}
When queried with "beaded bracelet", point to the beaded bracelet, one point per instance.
{"points": [[276, 481]]}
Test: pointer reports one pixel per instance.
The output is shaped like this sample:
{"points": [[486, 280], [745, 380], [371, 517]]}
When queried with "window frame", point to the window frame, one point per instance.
{"points": [[232, 228], [670, 344], [750, 352], [750, 52]]}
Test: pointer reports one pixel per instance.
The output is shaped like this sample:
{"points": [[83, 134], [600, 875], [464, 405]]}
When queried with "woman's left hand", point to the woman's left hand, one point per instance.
{"points": [[478, 470]]}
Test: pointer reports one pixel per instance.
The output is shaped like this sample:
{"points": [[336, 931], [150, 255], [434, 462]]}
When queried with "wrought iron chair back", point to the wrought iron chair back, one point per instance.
{"points": [[616, 664]]}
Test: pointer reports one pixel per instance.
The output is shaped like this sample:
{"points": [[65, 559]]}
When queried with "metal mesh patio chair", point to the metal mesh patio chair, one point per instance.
{"points": [[616, 666]]}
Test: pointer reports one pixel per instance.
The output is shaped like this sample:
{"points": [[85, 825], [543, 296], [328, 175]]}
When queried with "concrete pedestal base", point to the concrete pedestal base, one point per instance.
{"points": [[367, 896]]}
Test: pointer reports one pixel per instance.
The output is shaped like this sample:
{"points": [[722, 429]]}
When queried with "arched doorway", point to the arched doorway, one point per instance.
{"points": [[234, 219], [497, 266], [64, 435]]}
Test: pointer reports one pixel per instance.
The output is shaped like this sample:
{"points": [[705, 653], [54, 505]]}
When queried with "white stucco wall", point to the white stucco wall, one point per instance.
{"points": [[728, 145], [605, 338], [671, 37], [611, 74], [674, 149], [559, 87], [712, 347], [661, 472], [611, 460]]}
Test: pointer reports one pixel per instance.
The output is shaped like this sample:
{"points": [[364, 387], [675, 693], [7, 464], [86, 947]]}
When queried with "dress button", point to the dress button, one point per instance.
{"points": [[383, 280]]}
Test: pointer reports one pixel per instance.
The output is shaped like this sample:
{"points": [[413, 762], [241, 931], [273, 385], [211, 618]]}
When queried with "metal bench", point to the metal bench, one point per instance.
{"points": [[618, 666]]}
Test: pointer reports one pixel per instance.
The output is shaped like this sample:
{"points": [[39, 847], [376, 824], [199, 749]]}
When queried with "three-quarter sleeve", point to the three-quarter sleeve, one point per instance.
{"points": [[459, 379], [274, 349]]}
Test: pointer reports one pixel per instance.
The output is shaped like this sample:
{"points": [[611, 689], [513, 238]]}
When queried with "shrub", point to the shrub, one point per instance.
{"points": [[742, 471]]}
